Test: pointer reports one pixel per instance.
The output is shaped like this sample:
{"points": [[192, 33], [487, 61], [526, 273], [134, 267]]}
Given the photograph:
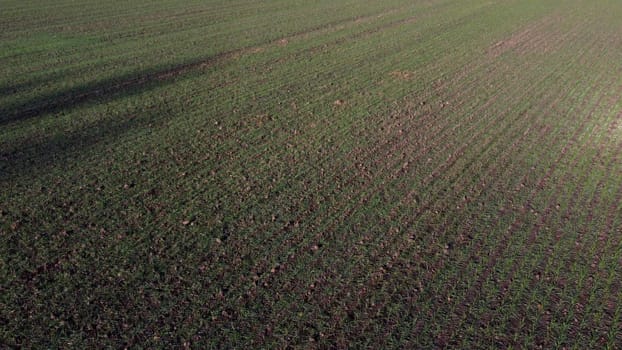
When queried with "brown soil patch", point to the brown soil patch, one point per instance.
{"points": [[402, 74], [541, 36]]}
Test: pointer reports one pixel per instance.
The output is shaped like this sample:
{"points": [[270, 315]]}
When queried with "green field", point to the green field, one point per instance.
{"points": [[311, 174]]}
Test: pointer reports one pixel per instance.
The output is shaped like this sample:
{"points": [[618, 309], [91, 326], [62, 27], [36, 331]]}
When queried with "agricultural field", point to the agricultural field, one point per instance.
{"points": [[222, 174]]}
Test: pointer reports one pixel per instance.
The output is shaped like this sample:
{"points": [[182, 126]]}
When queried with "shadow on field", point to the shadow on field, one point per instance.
{"points": [[34, 157], [98, 91]]}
